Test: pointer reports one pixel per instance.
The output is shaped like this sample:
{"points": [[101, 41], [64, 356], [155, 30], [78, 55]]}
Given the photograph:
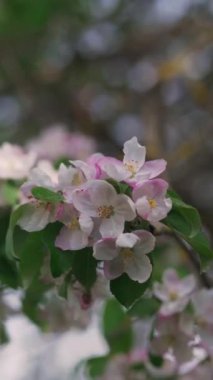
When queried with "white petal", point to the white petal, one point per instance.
{"points": [[139, 269], [71, 240], [146, 243], [102, 193], [86, 223], [105, 249], [114, 168], [135, 152], [112, 227], [34, 218], [126, 240], [124, 206], [82, 202], [113, 268]]}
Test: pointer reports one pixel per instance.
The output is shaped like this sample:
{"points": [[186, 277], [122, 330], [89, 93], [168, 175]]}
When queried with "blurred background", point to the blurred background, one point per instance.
{"points": [[112, 69]]}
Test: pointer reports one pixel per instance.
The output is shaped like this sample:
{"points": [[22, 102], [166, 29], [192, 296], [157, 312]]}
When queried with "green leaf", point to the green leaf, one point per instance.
{"points": [[144, 307], [126, 290], [84, 267], [60, 261], [117, 327], [183, 218], [15, 216], [9, 193], [96, 366], [47, 195], [8, 273], [3, 334], [31, 256], [201, 245]]}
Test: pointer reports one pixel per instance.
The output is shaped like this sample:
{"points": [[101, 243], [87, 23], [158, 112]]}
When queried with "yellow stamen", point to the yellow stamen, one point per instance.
{"points": [[131, 166], [152, 203], [105, 211], [74, 224], [173, 296], [77, 179], [127, 254]]}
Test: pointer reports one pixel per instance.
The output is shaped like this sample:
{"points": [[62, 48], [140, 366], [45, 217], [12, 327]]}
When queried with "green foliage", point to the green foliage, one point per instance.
{"points": [[96, 366], [144, 308], [182, 218], [84, 267], [185, 221], [46, 195], [15, 216], [117, 328], [3, 334], [8, 273], [126, 290]]}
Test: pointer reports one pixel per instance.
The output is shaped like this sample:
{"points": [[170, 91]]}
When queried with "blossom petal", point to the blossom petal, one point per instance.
{"points": [[124, 206], [113, 168], [105, 249], [113, 268], [82, 202], [35, 218], [134, 152], [146, 242], [112, 227], [127, 240], [152, 189], [86, 223], [152, 169], [71, 240], [102, 193], [139, 268]]}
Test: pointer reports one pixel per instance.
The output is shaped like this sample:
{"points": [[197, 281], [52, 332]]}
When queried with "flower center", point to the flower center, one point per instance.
{"points": [[173, 296], [74, 224], [131, 166], [127, 254], [105, 211], [77, 179], [152, 203]]}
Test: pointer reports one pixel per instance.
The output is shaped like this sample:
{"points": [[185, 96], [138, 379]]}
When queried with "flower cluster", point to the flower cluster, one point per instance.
{"points": [[100, 203]]}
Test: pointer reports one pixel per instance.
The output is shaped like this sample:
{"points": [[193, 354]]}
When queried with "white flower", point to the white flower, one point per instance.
{"points": [[99, 200], [174, 292], [126, 254]]}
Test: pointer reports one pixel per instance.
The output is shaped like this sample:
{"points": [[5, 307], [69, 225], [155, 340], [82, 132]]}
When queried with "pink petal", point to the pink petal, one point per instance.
{"points": [[71, 240], [146, 243], [101, 193], [82, 202], [126, 240], [134, 152], [124, 206], [105, 249], [113, 268], [139, 268], [112, 227], [113, 168]]}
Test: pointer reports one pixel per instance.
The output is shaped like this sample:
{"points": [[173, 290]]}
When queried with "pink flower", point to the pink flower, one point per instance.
{"points": [[174, 292], [203, 307], [169, 337], [77, 228], [150, 200], [57, 142], [14, 162], [126, 254], [99, 200], [133, 168]]}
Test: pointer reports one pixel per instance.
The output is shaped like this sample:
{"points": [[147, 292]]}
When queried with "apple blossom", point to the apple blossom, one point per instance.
{"points": [[168, 335], [57, 142], [126, 254], [77, 228], [98, 199], [174, 292], [133, 168], [202, 302], [15, 163], [150, 200]]}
